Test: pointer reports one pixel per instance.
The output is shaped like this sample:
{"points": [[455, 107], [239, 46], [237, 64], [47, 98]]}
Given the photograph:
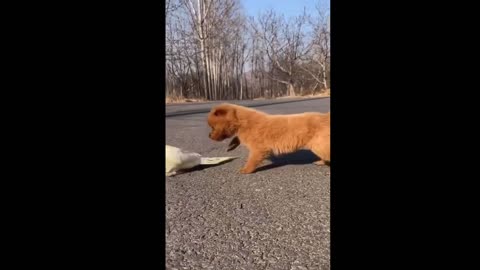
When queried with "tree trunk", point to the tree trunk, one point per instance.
{"points": [[241, 88], [291, 90], [324, 81]]}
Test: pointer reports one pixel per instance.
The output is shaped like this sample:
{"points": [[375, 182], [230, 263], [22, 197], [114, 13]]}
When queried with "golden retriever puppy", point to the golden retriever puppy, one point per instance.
{"points": [[265, 134]]}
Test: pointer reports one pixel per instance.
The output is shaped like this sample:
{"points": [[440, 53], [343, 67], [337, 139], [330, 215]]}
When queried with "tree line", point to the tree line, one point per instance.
{"points": [[215, 52]]}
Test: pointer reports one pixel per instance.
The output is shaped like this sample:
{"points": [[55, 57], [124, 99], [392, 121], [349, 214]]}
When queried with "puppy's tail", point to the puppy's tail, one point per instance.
{"points": [[214, 160]]}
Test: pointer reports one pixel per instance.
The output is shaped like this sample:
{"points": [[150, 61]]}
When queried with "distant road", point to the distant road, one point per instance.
{"points": [[176, 109]]}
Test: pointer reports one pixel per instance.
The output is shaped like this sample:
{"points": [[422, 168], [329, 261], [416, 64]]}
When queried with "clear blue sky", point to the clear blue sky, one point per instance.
{"points": [[286, 7]]}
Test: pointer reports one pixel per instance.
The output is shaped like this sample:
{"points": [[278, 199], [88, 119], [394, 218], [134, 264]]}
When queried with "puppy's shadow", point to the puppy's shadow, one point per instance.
{"points": [[300, 157]]}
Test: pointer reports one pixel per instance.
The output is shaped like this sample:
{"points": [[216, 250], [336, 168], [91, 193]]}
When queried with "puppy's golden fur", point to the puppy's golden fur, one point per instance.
{"points": [[264, 134]]}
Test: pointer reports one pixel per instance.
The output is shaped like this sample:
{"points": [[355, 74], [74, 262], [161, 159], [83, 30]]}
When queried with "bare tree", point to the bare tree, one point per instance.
{"points": [[319, 56], [213, 52], [284, 45], [209, 26]]}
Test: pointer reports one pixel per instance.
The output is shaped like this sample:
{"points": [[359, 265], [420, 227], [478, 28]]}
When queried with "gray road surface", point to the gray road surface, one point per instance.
{"points": [[276, 218], [188, 108]]}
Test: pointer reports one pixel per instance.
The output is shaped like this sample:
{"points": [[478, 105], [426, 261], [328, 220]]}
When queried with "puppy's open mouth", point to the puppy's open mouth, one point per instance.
{"points": [[233, 144], [220, 138]]}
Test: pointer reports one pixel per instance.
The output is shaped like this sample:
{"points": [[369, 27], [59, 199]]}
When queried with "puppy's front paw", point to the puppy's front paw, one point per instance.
{"points": [[246, 170]]}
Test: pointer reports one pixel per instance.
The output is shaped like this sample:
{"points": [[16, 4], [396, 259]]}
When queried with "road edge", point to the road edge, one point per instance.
{"points": [[197, 111]]}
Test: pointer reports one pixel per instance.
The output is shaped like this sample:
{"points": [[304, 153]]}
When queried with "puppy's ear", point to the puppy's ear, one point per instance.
{"points": [[232, 113], [225, 111], [220, 112]]}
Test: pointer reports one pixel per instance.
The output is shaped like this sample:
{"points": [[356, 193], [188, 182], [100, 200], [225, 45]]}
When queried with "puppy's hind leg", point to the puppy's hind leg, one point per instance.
{"points": [[320, 162], [322, 150], [255, 157]]}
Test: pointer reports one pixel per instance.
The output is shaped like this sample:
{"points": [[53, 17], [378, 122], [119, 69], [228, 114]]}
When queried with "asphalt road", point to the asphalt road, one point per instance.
{"points": [[175, 109], [276, 218]]}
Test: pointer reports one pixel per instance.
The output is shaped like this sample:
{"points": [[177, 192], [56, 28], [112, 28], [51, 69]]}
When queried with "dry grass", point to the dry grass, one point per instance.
{"points": [[325, 93], [172, 100]]}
